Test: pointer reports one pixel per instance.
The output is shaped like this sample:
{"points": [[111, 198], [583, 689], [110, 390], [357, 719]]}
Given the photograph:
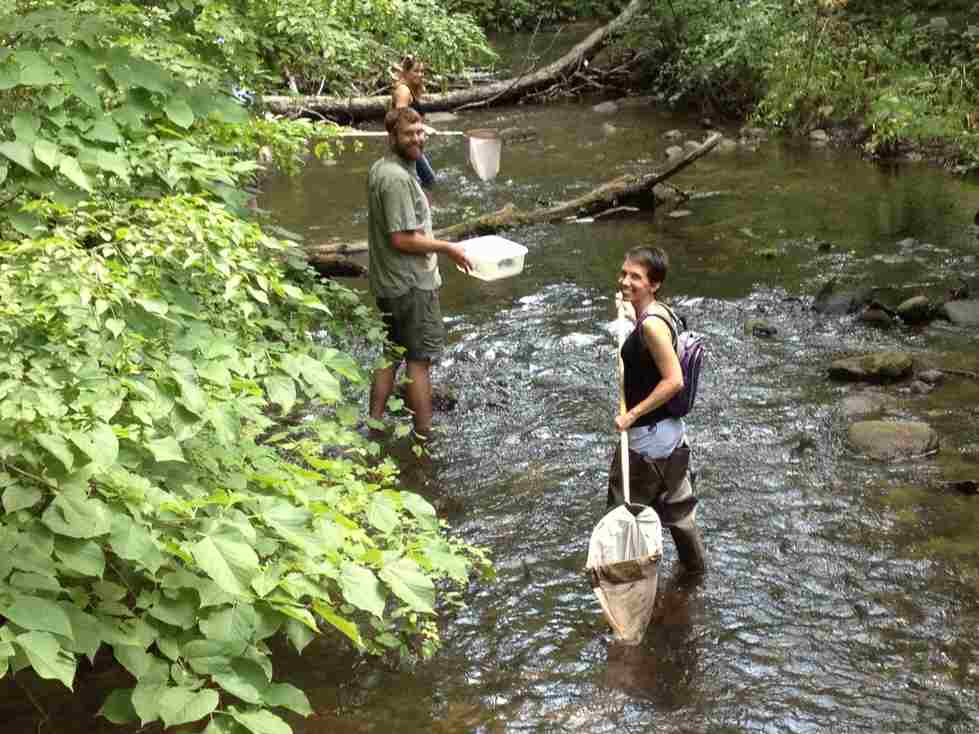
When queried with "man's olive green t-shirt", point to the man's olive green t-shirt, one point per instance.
{"points": [[396, 203]]}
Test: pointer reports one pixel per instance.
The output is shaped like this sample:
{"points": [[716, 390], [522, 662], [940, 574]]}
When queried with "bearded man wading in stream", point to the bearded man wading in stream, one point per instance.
{"points": [[404, 274]]}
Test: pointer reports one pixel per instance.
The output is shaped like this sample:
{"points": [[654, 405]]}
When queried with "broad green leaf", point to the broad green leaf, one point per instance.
{"points": [[191, 396], [323, 382], [47, 657], [444, 559], [77, 516], [134, 659], [74, 173], [104, 130], [86, 630], [421, 509], [35, 71], [34, 582], [288, 696], [183, 705], [179, 112], [180, 611], [118, 707], [237, 624], [231, 563], [4, 170], [58, 447], [35, 613], [18, 497], [134, 542], [25, 126], [261, 722], [47, 152], [113, 163], [382, 513], [346, 626], [83, 557], [361, 588], [99, 444], [299, 634], [7, 652], [165, 449], [410, 584], [153, 305], [244, 679], [115, 326], [282, 392], [146, 701]]}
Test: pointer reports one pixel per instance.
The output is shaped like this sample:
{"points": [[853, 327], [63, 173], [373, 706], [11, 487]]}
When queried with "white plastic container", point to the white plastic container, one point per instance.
{"points": [[494, 257]]}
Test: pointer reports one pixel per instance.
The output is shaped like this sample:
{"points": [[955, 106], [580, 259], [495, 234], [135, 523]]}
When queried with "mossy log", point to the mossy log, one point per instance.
{"points": [[350, 109], [636, 189]]}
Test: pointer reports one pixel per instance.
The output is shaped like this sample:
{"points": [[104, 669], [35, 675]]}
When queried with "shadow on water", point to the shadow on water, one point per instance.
{"points": [[842, 593]]}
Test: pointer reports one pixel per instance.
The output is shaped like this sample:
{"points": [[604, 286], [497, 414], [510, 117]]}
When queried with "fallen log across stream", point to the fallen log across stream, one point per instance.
{"points": [[350, 109], [332, 259]]}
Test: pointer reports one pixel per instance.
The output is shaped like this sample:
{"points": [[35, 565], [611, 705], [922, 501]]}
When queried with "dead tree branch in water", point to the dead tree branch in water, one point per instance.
{"points": [[361, 108], [629, 188]]}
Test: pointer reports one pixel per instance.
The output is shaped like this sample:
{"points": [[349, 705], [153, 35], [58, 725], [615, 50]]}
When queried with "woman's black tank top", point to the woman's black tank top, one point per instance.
{"points": [[641, 376]]}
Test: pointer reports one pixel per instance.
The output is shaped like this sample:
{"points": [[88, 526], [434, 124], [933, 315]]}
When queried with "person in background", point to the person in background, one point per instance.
{"points": [[403, 270], [408, 90], [659, 466]]}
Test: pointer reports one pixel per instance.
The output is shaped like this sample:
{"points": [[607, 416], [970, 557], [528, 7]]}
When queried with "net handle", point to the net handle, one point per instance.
{"points": [[622, 326]]}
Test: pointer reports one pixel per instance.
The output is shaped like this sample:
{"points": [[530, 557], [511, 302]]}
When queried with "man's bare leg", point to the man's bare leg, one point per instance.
{"points": [[382, 385], [419, 395]]}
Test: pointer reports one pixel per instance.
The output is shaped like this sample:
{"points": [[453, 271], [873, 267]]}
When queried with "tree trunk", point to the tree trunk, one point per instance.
{"points": [[612, 193], [349, 109]]}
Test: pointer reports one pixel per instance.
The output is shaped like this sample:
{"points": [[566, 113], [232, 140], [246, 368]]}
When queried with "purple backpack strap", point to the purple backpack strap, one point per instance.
{"points": [[665, 320]]}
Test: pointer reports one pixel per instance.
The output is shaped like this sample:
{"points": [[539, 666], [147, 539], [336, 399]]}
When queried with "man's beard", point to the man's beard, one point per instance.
{"points": [[404, 151]]}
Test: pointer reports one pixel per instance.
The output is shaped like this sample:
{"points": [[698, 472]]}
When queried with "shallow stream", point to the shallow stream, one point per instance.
{"points": [[842, 593]]}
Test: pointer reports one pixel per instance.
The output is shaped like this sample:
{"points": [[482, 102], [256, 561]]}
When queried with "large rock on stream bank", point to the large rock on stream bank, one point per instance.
{"points": [[893, 440], [877, 367]]}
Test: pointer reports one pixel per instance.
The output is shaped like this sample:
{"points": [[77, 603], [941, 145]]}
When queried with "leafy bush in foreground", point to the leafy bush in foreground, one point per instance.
{"points": [[151, 502]]}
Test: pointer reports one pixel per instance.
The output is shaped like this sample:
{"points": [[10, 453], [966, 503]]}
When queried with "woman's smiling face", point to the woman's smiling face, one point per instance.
{"points": [[634, 283]]}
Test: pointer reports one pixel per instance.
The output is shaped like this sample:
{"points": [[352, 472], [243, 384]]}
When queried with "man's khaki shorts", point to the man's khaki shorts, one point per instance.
{"points": [[414, 322]]}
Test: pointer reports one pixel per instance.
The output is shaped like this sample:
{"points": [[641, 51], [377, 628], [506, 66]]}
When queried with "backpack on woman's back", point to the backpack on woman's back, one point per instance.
{"points": [[691, 350]]}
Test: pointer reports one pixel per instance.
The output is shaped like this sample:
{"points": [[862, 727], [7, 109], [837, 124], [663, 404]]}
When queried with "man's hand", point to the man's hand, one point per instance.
{"points": [[457, 253]]}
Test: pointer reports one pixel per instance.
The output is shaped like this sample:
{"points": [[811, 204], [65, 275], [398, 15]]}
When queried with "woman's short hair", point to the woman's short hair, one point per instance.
{"points": [[653, 259], [400, 117]]}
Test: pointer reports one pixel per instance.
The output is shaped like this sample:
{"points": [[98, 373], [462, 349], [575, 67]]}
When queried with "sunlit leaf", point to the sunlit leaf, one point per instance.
{"points": [[77, 516], [230, 563], [35, 613], [20, 153], [118, 707], [362, 589], [412, 585], [74, 173], [47, 657], [179, 112]]}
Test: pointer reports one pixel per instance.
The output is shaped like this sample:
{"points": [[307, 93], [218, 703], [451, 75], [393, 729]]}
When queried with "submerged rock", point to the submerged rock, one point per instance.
{"points": [[759, 328], [893, 440], [963, 313], [866, 404], [836, 299], [878, 367], [606, 108], [916, 310]]}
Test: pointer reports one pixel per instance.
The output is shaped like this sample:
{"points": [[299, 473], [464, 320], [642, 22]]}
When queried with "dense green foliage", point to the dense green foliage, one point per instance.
{"points": [[181, 473], [526, 15], [908, 71]]}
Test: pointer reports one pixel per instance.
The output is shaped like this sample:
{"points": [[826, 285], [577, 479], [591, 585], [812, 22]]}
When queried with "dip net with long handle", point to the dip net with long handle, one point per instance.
{"points": [[625, 548]]}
